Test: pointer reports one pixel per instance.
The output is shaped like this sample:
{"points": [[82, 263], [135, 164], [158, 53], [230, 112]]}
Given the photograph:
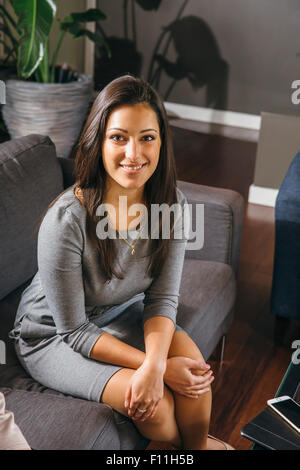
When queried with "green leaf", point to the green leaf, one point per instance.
{"points": [[73, 24], [74, 20], [34, 25], [67, 21], [77, 32], [93, 14], [99, 40], [70, 26]]}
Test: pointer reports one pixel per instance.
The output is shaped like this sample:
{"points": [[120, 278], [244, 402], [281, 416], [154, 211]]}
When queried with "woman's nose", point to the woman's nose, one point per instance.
{"points": [[131, 149]]}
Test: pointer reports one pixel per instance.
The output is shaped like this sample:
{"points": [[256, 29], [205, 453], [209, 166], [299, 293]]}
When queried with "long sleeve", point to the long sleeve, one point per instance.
{"points": [[11, 437], [161, 298], [60, 246]]}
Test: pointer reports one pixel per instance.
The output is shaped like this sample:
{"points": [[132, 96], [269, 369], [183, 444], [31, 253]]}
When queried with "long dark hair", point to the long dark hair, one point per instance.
{"points": [[91, 175]]}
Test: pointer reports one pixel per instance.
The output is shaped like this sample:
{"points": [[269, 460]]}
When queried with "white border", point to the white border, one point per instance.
{"points": [[262, 196], [226, 118]]}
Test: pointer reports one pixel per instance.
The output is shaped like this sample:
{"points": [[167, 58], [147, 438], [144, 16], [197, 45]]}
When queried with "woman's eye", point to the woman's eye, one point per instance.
{"points": [[148, 138], [121, 138], [116, 137]]}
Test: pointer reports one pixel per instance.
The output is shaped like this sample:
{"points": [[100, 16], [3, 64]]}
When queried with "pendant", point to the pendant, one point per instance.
{"points": [[132, 251]]}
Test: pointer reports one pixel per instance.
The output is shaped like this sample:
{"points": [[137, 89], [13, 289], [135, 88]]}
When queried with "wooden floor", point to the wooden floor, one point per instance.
{"points": [[214, 160], [257, 351]]}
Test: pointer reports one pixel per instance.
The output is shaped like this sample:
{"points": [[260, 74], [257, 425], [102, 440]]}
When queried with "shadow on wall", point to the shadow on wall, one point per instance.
{"points": [[198, 56]]}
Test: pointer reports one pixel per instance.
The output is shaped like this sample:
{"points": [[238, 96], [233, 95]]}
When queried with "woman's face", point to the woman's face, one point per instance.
{"points": [[131, 146]]}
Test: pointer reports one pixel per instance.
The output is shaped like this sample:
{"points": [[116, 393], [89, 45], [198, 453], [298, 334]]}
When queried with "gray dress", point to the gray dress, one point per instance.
{"points": [[68, 305]]}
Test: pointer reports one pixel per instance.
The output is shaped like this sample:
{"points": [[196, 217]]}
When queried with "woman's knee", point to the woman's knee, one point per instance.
{"points": [[114, 395], [165, 408], [183, 345], [114, 391]]}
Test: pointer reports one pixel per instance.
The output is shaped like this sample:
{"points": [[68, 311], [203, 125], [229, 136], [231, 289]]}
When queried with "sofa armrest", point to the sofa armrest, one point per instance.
{"points": [[68, 170], [223, 222]]}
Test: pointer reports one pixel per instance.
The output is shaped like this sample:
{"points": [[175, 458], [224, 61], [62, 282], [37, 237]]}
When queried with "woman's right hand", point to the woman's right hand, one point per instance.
{"points": [[188, 377], [144, 391]]}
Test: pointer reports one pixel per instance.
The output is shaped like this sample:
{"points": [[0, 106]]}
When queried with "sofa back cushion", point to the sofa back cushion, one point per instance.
{"points": [[30, 178]]}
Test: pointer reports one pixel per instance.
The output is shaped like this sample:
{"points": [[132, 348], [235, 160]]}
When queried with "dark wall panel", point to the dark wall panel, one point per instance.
{"points": [[240, 55]]}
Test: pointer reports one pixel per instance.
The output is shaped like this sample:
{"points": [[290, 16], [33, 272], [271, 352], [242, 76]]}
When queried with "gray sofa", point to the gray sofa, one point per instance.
{"points": [[31, 176]]}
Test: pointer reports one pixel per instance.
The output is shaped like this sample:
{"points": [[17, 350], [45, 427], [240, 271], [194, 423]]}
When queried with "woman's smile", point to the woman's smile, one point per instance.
{"points": [[133, 170]]}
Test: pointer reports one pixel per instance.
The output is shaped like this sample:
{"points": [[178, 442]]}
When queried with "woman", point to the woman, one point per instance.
{"points": [[88, 329]]}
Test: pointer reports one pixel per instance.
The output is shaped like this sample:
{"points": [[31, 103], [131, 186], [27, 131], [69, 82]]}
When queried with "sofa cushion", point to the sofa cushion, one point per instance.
{"points": [[30, 178], [207, 297], [62, 423]]}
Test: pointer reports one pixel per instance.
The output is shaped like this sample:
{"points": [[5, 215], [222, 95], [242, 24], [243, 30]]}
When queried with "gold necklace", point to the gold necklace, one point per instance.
{"points": [[132, 246], [79, 195]]}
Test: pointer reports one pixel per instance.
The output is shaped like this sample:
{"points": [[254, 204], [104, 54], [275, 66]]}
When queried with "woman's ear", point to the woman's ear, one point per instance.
{"points": [[79, 195]]}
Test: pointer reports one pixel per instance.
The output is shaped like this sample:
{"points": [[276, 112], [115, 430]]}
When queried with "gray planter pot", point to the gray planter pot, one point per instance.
{"points": [[57, 110]]}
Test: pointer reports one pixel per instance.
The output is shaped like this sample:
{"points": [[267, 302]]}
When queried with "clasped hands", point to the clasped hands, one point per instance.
{"points": [[187, 377]]}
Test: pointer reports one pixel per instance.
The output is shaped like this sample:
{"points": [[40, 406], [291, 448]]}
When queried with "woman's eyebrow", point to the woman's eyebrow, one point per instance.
{"points": [[148, 130], [117, 129], [123, 130]]}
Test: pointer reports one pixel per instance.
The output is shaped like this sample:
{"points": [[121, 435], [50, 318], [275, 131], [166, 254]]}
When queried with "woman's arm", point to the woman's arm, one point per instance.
{"points": [[146, 387], [183, 375], [60, 248], [158, 334], [161, 297], [109, 349]]}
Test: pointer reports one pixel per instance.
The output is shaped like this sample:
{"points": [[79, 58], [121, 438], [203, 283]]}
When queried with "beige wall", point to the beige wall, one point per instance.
{"points": [[72, 50], [279, 142]]}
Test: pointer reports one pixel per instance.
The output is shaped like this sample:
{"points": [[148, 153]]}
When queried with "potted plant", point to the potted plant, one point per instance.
{"points": [[44, 98]]}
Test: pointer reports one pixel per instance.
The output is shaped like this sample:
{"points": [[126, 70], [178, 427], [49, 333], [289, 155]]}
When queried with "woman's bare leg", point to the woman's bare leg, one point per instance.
{"points": [[162, 427], [192, 414]]}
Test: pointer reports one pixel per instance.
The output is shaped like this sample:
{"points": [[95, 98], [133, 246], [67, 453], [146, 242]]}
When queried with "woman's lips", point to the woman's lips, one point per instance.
{"points": [[131, 170]]}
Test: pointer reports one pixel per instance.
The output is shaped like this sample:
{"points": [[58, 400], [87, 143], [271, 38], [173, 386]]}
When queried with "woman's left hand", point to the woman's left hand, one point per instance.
{"points": [[145, 390], [188, 377]]}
